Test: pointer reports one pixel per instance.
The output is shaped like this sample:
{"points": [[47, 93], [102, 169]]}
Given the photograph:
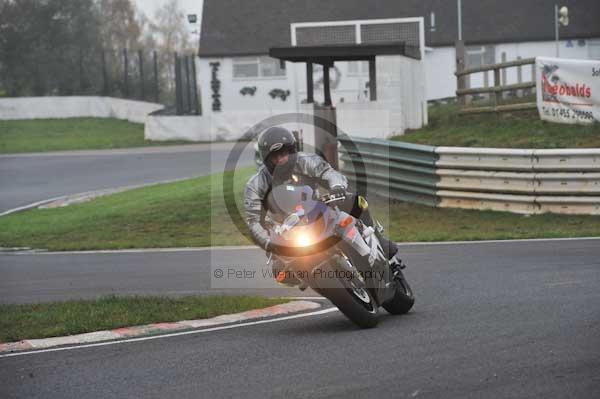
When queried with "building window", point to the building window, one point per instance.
{"points": [[257, 67], [480, 55], [358, 68], [594, 49]]}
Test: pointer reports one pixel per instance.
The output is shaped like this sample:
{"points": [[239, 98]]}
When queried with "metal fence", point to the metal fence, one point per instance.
{"points": [[152, 76], [187, 101], [520, 181]]}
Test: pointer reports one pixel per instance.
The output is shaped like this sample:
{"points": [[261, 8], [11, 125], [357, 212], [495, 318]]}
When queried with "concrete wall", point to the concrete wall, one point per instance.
{"points": [[232, 100], [75, 107]]}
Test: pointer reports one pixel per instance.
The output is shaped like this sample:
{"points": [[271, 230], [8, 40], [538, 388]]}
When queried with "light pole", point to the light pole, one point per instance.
{"points": [[561, 17], [459, 8]]}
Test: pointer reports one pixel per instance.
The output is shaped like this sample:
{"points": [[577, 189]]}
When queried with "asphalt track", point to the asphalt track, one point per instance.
{"points": [[29, 178], [493, 320]]}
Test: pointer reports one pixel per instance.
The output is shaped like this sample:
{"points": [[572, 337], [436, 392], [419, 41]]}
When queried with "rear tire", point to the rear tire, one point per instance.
{"points": [[403, 299]]}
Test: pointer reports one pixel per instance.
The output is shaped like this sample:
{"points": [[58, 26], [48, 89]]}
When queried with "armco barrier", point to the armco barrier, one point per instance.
{"points": [[520, 181], [402, 171]]}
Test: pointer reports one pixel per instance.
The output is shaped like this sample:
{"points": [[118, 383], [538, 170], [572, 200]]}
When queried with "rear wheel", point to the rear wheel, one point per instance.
{"points": [[352, 298], [403, 299]]}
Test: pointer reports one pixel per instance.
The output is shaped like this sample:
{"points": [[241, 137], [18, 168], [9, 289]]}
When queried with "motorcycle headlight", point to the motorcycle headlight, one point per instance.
{"points": [[302, 236], [305, 235], [303, 239]]}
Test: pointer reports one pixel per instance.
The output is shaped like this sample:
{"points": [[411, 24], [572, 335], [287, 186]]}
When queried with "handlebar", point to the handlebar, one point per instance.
{"points": [[332, 198]]}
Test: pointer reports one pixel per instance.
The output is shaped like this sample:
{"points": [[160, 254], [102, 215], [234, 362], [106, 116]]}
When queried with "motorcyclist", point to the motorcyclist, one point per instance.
{"points": [[282, 164]]}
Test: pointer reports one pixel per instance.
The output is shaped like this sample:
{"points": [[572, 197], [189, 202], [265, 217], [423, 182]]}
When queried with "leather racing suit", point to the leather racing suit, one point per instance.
{"points": [[312, 170]]}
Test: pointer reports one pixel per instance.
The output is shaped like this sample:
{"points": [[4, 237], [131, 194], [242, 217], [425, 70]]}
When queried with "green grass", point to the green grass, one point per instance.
{"points": [[41, 135], [44, 320], [191, 213], [167, 215], [411, 222], [519, 129]]}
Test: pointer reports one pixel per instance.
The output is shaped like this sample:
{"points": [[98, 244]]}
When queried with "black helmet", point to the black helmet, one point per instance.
{"points": [[277, 139], [274, 139]]}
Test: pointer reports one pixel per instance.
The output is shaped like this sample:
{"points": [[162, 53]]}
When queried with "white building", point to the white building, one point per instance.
{"points": [[237, 77]]}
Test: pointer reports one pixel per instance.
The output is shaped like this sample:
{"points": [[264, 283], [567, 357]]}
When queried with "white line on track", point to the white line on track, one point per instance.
{"points": [[192, 332], [307, 298], [33, 205], [497, 241], [247, 247], [167, 149], [93, 194]]}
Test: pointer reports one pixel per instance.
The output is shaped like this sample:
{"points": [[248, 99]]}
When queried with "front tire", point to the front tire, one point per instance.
{"points": [[354, 300], [403, 299]]}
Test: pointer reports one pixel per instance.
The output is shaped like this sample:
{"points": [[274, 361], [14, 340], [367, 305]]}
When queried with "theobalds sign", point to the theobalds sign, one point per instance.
{"points": [[568, 91]]}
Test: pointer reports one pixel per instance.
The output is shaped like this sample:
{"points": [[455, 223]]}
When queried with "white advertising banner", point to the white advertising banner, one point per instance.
{"points": [[568, 91]]}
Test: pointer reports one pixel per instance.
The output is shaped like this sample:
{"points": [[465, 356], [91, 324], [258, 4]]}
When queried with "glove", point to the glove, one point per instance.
{"points": [[338, 191]]}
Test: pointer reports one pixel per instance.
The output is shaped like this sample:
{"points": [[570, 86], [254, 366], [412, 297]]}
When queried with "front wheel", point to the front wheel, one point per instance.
{"points": [[353, 299], [403, 299]]}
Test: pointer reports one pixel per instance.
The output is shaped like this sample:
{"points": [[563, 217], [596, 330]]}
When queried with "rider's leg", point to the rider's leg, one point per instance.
{"points": [[282, 276], [358, 208]]}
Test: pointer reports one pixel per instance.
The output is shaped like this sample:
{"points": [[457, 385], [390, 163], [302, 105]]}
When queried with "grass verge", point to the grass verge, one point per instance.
{"points": [[55, 319], [521, 129], [192, 213], [413, 222], [42, 135]]}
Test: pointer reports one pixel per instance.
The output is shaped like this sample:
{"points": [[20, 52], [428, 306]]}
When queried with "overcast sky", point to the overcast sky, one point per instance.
{"points": [[188, 6]]}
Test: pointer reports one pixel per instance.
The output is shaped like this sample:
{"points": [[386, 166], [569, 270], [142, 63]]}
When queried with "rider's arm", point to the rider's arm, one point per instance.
{"points": [[253, 204], [321, 169]]}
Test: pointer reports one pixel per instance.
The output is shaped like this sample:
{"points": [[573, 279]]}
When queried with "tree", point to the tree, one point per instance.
{"points": [[45, 46], [170, 28], [118, 24]]}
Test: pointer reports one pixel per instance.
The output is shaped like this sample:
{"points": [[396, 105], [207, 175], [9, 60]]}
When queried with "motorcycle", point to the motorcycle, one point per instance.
{"points": [[335, 254]]}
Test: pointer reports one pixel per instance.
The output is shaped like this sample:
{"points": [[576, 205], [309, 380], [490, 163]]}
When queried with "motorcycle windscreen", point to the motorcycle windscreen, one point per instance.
{"points": [[285, 199]]}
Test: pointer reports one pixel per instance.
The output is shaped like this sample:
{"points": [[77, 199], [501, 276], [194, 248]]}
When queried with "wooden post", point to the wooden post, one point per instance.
{"points": [[519, 92], [310, 98], [460, 66], [486, 79], [372, 80], [503, 57], [498, 95]]}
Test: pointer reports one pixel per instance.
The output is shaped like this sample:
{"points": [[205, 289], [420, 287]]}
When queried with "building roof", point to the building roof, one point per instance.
{"points": [[244, 27], [328, 54]]}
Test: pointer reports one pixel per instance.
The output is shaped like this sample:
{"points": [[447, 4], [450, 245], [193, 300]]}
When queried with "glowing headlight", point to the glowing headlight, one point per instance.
{"points": [[303, 239]]}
